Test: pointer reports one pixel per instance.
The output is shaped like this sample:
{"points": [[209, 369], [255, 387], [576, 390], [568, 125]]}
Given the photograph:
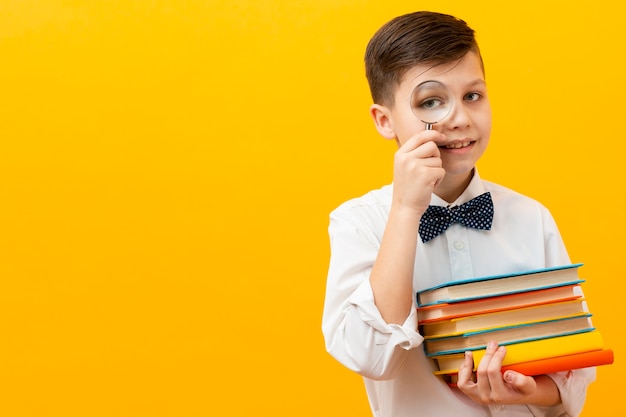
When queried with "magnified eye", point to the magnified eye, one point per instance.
{"points": [[432, 103]]}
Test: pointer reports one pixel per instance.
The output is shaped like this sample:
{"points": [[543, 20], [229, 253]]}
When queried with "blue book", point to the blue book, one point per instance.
{"points": [[498, 285]]}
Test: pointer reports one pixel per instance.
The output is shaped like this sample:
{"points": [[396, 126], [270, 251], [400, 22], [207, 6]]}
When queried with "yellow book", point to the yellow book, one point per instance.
{"points": [[528, 351]]}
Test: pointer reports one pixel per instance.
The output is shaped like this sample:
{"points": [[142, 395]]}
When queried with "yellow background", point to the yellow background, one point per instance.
{"points": [[167, 169]]}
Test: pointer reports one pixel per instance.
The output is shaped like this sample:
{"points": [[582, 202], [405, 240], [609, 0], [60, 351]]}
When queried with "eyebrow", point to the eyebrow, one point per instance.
{"points": [[478, 81]]}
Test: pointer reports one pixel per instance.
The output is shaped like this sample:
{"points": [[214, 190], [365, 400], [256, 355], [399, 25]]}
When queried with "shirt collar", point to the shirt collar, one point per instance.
{"points": [[474, 189]]}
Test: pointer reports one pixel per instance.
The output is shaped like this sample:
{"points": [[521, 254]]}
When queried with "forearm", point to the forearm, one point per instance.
{"points": [[392, 274], [363, 342], [354, 330]]}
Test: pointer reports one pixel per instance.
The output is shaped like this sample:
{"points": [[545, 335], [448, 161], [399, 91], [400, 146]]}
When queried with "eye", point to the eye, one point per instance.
{"points": [[432, 103], [472, 96]]}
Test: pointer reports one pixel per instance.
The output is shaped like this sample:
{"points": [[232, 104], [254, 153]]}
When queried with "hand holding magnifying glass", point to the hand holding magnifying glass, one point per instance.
{"points": [[431, 102]]}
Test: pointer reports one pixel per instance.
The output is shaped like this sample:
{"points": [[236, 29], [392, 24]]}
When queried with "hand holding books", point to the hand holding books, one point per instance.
{"points": [[540, 315]]}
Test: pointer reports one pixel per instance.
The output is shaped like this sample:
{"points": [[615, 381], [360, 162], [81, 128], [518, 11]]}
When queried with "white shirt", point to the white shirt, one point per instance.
{"points": [[398, 376]]}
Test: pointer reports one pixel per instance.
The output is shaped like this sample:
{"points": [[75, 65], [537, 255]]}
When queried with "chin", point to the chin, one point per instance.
{"points": [[459, 170]]}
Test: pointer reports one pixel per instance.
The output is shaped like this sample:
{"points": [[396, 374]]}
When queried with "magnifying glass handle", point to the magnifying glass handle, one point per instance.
{"points": [[429, 126]]}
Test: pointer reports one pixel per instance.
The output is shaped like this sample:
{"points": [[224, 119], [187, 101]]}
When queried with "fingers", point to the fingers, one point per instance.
{"points": [[421, 151], [489, 370], [421, 170], [492, 361], [430, 137], [466, 372], [492, 386], [418, 169], [426, 154], [489, 386]]}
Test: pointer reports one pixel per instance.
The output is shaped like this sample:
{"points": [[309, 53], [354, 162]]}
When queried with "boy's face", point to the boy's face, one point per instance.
{"points": [[467, 127]]}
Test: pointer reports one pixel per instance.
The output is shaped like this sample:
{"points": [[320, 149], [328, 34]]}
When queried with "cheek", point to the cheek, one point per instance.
{"points": [[483, 120], [407, 128]]}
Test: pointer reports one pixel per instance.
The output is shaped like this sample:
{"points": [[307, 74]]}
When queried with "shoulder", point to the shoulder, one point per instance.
{"points": [[528, 226], [369, 211], [379, 199], [511, 203], [502, 194]]}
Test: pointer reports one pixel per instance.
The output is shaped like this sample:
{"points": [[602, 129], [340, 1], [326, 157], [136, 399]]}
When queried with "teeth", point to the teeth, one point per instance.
{"points": [[457, 145]]}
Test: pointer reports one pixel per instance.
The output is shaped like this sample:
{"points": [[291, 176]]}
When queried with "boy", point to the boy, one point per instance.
{"points": [[379, 260]]}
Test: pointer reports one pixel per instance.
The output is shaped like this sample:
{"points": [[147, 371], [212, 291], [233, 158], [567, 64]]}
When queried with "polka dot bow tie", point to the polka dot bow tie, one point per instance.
{"points": [[476, 213]]}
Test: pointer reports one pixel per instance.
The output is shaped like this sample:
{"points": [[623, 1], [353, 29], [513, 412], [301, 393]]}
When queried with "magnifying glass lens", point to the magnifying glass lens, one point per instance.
{"points": [[431, 102]]}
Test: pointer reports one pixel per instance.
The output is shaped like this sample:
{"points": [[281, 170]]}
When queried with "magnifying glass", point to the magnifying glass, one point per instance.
{"points": [[431, 102]]}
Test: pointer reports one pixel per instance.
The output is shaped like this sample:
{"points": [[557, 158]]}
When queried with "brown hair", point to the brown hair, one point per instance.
{"points": [[413, 39]]}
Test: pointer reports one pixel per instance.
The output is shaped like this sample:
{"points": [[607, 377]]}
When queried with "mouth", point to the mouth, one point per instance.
{"points": [[457, 145]]}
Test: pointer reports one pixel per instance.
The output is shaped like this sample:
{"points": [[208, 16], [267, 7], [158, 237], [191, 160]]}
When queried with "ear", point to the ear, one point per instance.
{"points": [[382, 121]]}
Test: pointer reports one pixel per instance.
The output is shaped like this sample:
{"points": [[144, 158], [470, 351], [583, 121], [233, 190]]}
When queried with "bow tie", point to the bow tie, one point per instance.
{"points": [[476, 213]]}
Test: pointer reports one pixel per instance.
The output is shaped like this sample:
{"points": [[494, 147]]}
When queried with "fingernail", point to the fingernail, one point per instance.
{"points": [[509, 377]]}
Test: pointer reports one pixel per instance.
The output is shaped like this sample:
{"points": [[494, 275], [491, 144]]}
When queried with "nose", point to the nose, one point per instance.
{"points": [[459, 117]]}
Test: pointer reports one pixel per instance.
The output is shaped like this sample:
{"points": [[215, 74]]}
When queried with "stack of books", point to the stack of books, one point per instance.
{"points": [[540, 316]]}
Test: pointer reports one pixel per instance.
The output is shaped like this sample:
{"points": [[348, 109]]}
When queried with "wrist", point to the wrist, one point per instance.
{"points": [[406, 212]]}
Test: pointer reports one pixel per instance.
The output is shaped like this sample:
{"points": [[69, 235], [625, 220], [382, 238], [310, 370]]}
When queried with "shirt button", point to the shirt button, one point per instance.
{"points": [[459, 245]]}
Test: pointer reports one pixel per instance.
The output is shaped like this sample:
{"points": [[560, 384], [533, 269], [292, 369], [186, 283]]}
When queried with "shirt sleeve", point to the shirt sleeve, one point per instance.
{"points": [[355, 332], [573, 388]]}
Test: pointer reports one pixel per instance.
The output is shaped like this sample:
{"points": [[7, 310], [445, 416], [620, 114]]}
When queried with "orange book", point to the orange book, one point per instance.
{"points": [[556, 364], [563, 363], [438, 312], [541, 312]]}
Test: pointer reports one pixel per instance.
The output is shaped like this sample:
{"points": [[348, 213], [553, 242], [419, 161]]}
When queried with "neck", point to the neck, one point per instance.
{"points": [[452, 186]]}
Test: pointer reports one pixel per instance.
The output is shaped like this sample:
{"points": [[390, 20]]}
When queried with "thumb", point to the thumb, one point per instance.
{"points": [[522, 383]]}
